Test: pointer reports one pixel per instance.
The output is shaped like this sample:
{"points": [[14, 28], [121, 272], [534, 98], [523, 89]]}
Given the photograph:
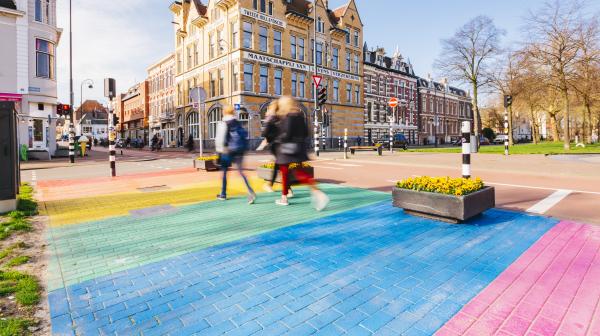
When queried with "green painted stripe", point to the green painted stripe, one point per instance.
{"points": [[93, 249]]}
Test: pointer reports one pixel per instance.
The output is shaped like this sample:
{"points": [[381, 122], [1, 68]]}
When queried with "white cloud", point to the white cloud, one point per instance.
{"points": [[112, 38]]}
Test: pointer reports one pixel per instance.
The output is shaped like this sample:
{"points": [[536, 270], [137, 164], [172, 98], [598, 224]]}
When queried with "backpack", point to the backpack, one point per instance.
{"points": [[238, 138]]}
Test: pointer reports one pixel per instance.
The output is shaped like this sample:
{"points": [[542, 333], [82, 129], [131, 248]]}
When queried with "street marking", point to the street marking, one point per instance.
{"points": [[344, 164], [544, 205], [542, 188]]}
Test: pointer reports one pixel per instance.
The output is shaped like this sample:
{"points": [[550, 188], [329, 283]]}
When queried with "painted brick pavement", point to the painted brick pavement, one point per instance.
{"points": [[358, 271]]}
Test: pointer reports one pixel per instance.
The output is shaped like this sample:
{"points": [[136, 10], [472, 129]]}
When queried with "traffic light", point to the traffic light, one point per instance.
{"points": [[63, 109], [322, 96], [115, 120], [507, 101]]}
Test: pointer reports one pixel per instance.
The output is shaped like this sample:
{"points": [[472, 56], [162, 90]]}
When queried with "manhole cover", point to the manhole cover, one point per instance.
{"points": [[153, 188], [153, 211]]}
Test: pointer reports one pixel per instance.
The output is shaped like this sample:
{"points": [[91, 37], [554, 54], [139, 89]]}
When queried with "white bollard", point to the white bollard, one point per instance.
{"points": [[466, 149]]}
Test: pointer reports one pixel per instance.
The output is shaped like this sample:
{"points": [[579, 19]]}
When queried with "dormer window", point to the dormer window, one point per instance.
{"points": [[319, 25]]}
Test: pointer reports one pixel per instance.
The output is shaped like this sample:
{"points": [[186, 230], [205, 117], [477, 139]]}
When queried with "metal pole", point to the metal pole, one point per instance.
{"points": [[72, 96], [111, 140], [466, 149], [316, 108], [340, 143], [200, 129], [345, 143], [392, 133], [507, 131]]}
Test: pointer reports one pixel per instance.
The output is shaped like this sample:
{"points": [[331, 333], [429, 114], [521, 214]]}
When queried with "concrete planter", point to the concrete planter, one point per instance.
{"points": [[266, 173], [448, 208], [208, 165]]}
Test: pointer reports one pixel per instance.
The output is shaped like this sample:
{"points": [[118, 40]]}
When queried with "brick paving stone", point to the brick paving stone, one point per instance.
{"points": [[351, 269]]}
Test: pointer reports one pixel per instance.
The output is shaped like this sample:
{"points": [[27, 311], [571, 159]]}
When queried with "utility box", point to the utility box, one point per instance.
{"points": [[9, 160]]}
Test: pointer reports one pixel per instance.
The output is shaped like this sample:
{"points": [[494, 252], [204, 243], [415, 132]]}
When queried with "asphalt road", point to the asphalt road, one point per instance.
{"points": [[563, 187]]}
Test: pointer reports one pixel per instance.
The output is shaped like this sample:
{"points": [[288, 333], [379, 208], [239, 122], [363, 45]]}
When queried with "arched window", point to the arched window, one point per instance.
{"points": [[180, 120], [214, 117], [193, 125], [243, 117]]}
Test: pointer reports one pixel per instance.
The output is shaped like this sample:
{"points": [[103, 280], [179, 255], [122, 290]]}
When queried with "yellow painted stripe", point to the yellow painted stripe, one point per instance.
{"points": [[76, 211]]}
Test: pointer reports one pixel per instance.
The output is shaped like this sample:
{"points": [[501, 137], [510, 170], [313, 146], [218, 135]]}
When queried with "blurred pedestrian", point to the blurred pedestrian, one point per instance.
{"points": [[231, 142], [270, 133], [293, 132], [160, 143], [359, 141], [153, 142]]}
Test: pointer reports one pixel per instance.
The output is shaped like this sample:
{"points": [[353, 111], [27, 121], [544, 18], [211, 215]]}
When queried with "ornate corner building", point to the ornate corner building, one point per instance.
{"points": [[249, 52]]}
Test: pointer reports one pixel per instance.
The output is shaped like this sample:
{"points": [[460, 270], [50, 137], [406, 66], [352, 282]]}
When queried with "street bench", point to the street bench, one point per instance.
{"points": [[378, 149]]}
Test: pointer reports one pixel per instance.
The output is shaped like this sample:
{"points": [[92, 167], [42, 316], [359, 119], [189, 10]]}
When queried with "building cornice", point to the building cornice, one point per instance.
{"points": [[11, 12]]}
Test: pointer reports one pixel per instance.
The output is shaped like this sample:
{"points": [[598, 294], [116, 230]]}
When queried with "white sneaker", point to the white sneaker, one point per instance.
{"points": [[282, 201], [268, 188], [319, 200], [290, 193], [251, 198]]}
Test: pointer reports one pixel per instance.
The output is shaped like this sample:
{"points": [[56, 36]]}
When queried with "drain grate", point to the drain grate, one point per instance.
{"points": [[153, 211], [154, 188]]}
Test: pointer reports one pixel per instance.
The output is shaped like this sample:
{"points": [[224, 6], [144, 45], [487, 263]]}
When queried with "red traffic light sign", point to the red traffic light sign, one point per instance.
{"points": [[393, 102], [317, 80]]}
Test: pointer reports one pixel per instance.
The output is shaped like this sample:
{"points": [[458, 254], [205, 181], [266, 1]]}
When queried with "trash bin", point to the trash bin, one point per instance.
{"points": [[23, 153], [474, 144], [9, 159]]}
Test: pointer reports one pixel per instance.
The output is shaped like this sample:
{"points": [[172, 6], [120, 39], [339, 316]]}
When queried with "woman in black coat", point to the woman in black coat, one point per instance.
{"points": [[293, 132], [270, 133]]}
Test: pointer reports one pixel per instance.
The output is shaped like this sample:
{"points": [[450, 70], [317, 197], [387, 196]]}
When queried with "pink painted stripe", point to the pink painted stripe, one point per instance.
{"points": [[553, 288]]}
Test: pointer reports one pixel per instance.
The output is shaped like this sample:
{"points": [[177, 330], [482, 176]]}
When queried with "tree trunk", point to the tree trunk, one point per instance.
{"points": [[567, 131], [511, 140], [554, 125], [590, 123], [476, 115], [534, 130]]}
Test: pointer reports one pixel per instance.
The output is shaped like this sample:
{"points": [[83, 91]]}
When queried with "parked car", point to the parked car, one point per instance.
{"points": [[500, 139], [483, 141], [399, 141]]}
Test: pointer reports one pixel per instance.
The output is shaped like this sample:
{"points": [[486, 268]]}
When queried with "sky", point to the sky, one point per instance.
{"points": [[121, 38]]}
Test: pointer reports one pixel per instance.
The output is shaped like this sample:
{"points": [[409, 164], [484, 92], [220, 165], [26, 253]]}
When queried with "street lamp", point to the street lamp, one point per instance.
{"points": [[90, 86]]}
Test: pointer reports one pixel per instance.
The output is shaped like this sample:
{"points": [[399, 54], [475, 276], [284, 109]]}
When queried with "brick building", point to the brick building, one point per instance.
{"points": [[133, 110], [442, 109], [386, 77], [250, 52], [161, 99]]}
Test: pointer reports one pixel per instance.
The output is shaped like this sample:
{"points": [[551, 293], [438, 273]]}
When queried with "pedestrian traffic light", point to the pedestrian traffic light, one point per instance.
{"points": [[322, 96], [63, 109], [115, 120], [507, 101]]}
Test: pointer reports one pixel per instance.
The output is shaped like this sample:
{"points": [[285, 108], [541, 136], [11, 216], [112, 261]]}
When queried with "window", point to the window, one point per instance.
{"points": [[262, 38], [38, 130], [347, 36], [357, 94], [369, 111], [264, 79], [193, 125], [243, 118], [44, 59], [270, 7], [263, 6], [255, 4], [348, 93], [277, 43], [214, 117], [294, 84], [336, 58], [319, 54], [301, 85], [356, 64], [221, 82], [189, 57], [235, 77], [293, 46], [300, 49], [278, 75], [248, 72], [211, 42], [356, 38], [336, 90], [38, 10], [212, 85], [247, 35], [348, 61], [234, 35], [319, 25], [196, 54], [219, 42]]}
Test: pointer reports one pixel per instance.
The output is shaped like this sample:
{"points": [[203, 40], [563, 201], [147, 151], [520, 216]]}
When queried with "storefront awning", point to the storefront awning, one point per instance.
{"points": [[14, 97]]}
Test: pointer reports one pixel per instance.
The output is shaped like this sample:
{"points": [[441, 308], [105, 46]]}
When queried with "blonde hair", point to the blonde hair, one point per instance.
{"points": [[287, 105], [228, 110], [273, 108]]}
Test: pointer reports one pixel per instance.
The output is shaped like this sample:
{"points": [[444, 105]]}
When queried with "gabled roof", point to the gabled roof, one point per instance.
{"points": [[200, 7]]}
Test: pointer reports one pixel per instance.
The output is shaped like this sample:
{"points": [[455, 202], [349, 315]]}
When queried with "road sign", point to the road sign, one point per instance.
{"points": [[317, 80], [237, 107], [393, 102]]}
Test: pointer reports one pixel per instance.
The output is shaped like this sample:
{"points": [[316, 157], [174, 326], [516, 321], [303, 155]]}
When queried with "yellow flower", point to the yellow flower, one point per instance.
{"points": [[442, 185]]}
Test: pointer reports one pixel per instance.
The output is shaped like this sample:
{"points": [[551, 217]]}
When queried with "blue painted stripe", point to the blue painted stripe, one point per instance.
{"points": [[359, 271]]}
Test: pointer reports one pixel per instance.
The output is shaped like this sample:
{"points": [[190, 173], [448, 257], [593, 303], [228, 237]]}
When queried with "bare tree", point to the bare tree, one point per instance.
{"points": [[554, 45], [466, 56], [507, 77]]}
